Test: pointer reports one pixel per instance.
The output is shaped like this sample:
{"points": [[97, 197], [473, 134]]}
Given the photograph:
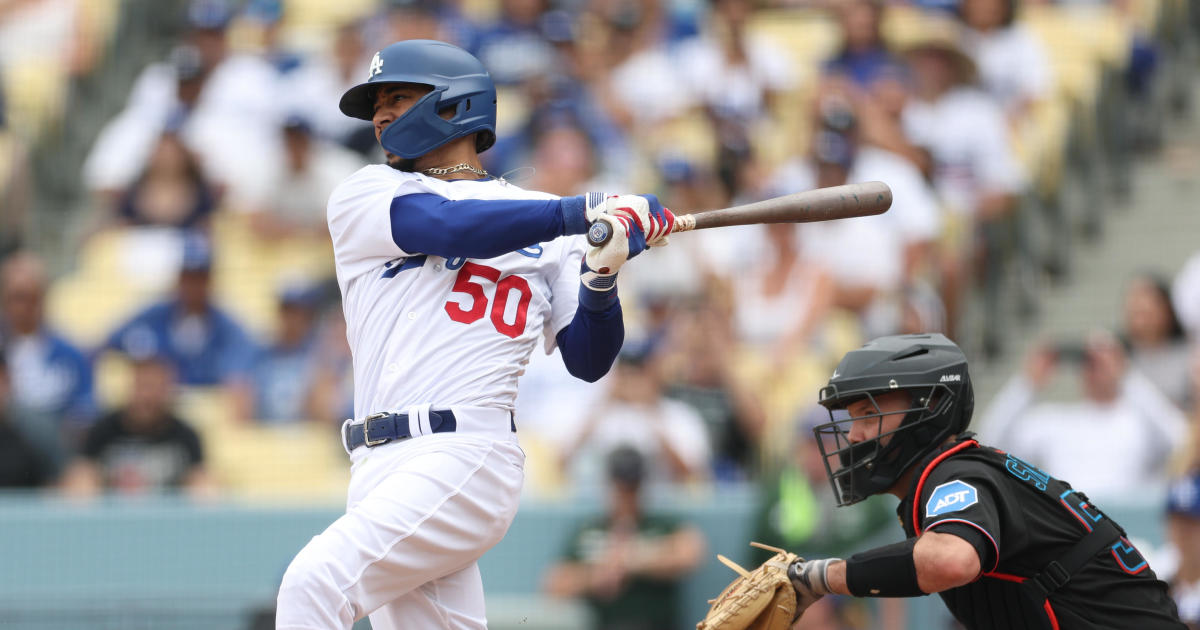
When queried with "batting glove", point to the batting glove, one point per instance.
{"points": [[808, 578], [644, 211]]}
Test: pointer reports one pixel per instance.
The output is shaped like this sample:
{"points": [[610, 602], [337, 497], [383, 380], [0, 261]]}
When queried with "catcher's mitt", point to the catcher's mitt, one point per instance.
{"points": [[762, 599]]}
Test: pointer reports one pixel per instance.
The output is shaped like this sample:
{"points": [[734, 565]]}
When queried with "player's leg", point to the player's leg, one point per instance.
{"points": [[454, 602], [434, 512]]}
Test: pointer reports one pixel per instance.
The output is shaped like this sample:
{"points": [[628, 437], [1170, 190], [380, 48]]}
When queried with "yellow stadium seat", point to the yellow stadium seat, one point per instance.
{"points": [[810, 36], [301, 460]]}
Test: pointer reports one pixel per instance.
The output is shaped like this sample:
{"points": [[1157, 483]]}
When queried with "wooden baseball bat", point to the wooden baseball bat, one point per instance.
{"points": [[820, 204]]}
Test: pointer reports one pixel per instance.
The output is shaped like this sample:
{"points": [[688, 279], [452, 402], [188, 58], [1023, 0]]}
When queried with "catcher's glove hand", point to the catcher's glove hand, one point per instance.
{"points": [[762, 599]]}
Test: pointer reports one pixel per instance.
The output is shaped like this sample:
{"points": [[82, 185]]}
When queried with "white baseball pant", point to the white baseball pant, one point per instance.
{"points": [[419, 514]]}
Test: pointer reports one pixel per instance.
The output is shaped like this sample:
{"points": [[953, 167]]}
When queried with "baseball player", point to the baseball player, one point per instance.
{"points": [[448, 277], [1004, 544]]}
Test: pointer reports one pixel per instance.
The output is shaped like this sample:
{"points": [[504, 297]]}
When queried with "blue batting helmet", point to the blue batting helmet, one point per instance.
{"points": [[459, 81]]}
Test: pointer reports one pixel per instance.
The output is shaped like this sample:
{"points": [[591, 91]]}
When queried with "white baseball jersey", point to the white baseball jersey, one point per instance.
{"points": [[431, 330]]}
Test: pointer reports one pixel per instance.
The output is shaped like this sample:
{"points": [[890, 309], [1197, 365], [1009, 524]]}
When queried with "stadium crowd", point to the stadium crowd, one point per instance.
{"points": [[230, 145]]}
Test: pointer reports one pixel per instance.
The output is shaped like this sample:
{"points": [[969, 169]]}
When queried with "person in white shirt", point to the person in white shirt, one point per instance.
{"points": [[224, 105], [1115, 442], [1013, 65], [870, 258], [291, 200], [973, 167], [670, 435], [449, 279]]}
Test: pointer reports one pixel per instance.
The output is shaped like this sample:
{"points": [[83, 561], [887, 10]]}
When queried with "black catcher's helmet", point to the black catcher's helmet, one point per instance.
{"points": [[934, 372]]}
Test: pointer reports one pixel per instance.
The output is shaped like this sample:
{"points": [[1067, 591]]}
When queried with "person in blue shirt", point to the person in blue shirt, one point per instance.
{"points": [[280, 383], [207, 346], [863, 58], [51, 378]]}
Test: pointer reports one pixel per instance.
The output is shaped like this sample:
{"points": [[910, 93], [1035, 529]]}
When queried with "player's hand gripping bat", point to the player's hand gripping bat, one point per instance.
{"points": [[821, 204]]}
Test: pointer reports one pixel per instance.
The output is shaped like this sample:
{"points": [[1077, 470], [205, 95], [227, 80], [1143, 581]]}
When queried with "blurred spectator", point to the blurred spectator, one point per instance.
{"points": [[872, 258], [172, 190], [282, 374], [781, 302], [973, 168], [513, 48], [570, 92], [1115, 442], [1183, 539], [266, 17], [409, 19], [314, 90], [51, 379], [227, 107], [565, 161], [15, 180], [21, 465], [205, 344], [143, 446], [863, 57], [796, 512], [629, 565], [733, 72], [291, 200], [735, 75], [703, 377], [670, 434], [332, 394], [1013, 66], [797, 509], [641, 85], [1185, 296], [1157, 345]]}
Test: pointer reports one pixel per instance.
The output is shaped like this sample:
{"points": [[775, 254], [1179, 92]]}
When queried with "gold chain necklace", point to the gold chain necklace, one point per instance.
{"points": [[457, 168]]}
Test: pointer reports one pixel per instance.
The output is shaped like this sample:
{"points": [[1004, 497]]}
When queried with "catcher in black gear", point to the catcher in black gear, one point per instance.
{"points": [[1004, 544]]}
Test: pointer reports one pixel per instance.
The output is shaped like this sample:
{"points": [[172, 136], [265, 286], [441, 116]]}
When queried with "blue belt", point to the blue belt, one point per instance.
{"points": [[381, 428]]}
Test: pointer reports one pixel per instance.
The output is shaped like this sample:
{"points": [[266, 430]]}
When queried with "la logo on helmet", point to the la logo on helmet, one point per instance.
{"points": [[376, 66]]}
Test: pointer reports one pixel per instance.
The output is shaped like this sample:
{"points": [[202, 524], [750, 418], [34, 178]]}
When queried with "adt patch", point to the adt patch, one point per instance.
{"points": [[951, 496]]}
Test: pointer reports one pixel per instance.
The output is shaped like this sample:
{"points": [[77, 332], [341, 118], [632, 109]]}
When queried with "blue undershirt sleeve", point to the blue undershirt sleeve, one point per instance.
{"points": [[425, 223], [590, 343]]}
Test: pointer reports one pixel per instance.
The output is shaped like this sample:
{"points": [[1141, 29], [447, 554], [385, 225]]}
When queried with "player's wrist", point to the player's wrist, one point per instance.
{"points": [[811, 576], [597, 291], [579, 211]]}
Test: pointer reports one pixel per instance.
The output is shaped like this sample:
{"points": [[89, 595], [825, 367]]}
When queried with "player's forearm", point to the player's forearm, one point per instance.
{"points": [[473, 228], [590, 343]]}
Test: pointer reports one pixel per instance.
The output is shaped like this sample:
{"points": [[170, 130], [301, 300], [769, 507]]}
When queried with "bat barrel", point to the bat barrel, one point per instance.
{"points": [[822, 204]]}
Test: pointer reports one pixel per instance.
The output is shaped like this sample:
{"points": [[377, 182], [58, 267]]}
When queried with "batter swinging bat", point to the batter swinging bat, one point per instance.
{"points": [[821, 204]]}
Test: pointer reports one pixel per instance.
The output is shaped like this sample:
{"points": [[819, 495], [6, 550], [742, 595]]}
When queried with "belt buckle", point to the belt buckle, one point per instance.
{"points": [[367, 422]]}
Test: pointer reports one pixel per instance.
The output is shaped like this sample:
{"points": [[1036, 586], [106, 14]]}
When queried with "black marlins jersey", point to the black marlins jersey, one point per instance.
{"points": [[1021, 520]]}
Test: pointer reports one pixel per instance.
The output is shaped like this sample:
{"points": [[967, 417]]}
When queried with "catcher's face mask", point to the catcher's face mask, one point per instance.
{"points": [[873, 437]]}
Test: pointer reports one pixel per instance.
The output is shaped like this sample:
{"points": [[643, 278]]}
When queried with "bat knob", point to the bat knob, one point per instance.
{"points": [[599, 233]]}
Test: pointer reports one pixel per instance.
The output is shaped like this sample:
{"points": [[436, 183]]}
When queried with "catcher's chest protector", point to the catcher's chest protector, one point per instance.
{"points": [[1025, 597]]}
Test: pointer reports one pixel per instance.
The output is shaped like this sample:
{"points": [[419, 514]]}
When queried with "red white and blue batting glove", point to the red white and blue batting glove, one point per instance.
{"points": [[645, 212]]}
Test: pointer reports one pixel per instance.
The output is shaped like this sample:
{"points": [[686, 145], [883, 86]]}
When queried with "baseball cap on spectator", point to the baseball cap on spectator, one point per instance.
{"points": [[301, 294], [675, 169], [943, 35], [557, 27], [297, 123], [264, 11], [636, 352], [626, 465], [209, 15], [1183, 497]]}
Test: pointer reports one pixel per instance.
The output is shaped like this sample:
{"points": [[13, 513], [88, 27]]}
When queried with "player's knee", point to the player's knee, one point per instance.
{"points": [[310, 576]]}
